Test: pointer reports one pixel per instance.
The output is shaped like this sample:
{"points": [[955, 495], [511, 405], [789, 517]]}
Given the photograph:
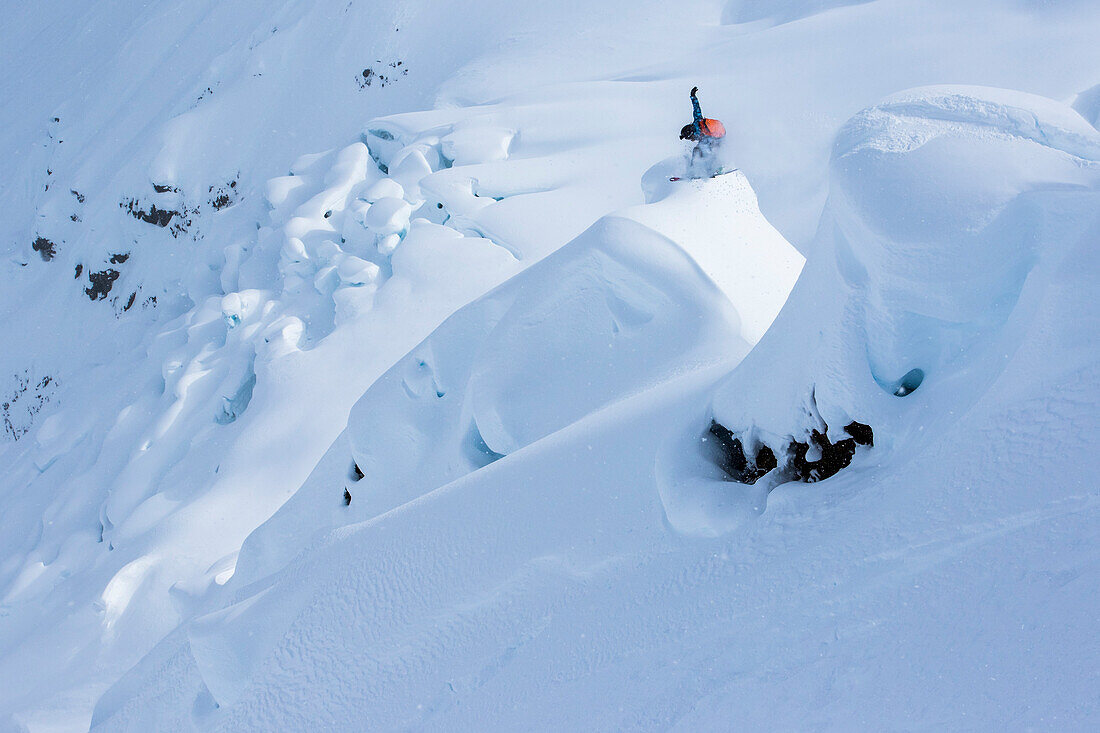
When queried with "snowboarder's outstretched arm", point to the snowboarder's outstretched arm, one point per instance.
{"points": [[696, 110]]}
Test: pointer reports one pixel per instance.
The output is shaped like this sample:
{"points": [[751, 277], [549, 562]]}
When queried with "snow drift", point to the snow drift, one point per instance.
{"points": [[617, 311], [549, 578], [944, 202]]}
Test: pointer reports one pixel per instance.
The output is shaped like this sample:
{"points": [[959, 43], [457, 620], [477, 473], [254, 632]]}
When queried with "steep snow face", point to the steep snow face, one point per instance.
{"points": [[614, 313], [718, 222], [617, 311], [908, 254], [584, 321], [592, 567], [945, 202]]}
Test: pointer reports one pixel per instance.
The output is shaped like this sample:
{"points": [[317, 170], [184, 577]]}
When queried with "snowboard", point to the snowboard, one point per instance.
{"points": [[700, 178]]}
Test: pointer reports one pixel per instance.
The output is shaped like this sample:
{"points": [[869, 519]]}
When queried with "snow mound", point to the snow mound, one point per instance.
{"points": [[718, 222], [474, 143], [616, 311], [620, 312], [946, 206]]}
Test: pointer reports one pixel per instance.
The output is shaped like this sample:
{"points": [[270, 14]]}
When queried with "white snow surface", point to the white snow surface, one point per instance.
{"points": [[256, 255]]}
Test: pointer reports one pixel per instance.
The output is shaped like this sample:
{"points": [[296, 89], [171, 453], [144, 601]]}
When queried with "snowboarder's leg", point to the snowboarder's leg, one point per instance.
{"points": [[701, 157], [704, 162]]}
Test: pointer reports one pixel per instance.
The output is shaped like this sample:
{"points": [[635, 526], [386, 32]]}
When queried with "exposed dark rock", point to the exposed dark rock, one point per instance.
{"points": [[177, 221], [862, 434], [79, 269], [161, 188], [347, 497], [158, 217], [118, 259], [224, 196], [23, 402], [102, 282], [131, 301], [369, 76], [356, 473], [834, 457], [731, 457], [45, 248], [732, 460], [765, 460]]}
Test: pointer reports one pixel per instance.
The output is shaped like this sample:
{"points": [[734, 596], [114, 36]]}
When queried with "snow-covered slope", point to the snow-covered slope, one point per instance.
{"points": [[578, 565], [537, 330]]}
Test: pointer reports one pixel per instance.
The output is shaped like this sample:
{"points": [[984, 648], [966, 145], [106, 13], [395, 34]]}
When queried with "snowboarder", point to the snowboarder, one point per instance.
{"points": [[706, 133]]}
